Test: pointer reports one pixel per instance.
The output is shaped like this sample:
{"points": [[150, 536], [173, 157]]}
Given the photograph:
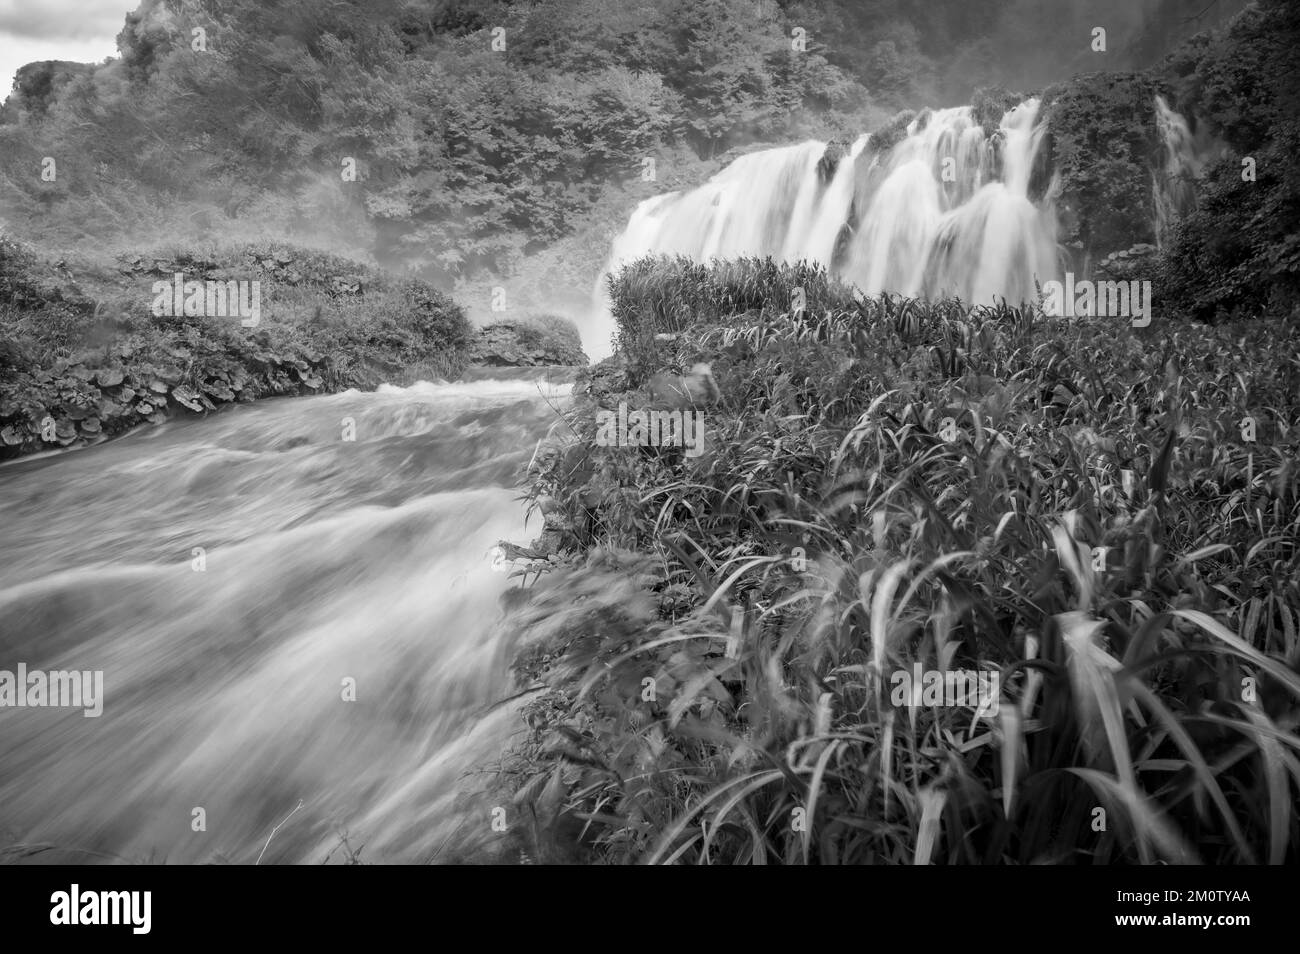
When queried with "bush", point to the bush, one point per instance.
{"points": [[1069, 504], [1238, 253], [84, 357], [1102, 143], [990, 104], [661, 295], [551, 331]]}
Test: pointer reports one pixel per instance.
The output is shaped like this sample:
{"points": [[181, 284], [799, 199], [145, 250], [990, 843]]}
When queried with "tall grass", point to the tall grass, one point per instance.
{"points": [[950, 476], [664, 296]]}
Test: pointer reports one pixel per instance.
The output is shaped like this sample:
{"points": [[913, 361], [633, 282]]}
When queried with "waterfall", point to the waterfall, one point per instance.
{"points": [[1185, 155], [947, 210]]}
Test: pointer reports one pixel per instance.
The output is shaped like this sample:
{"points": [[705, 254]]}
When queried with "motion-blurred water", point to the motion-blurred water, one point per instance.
{"points": [[326, 559], [945, 210]]}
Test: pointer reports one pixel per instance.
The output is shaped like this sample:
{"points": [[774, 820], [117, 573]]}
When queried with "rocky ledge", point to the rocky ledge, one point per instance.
{"points": [[528, 342]]}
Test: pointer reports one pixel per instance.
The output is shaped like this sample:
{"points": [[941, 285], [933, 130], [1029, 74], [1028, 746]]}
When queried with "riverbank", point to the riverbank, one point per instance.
{"points": [[91, 349]]}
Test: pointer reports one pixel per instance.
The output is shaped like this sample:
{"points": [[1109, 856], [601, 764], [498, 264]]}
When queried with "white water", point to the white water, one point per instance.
{"points": [[946, 211], [1185, 156], [326, 559]]}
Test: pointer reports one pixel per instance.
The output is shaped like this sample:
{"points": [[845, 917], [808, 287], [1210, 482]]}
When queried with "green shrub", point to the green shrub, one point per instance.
{"points": [[989, 104], [891, 133], [552, 330], [1102, 143], [950, 476], [661, 295], [1238, 253], [84, 357]]}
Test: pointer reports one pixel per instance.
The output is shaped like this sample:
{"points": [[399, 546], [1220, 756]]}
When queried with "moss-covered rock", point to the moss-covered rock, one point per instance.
{"points": [[990, 103], [533, 341], [83, 356], [1102, 142]]}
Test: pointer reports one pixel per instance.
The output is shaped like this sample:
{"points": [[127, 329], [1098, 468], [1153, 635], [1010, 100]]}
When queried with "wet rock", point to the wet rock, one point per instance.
{"points": [[515, 344], [836, 150]]}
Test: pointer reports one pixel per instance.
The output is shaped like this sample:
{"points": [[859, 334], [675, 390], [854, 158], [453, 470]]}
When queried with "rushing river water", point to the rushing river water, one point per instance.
{"points": [[323, 560]]}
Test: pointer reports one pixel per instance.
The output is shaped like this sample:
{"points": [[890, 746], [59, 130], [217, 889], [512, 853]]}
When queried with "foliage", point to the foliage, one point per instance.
{"points": [[533, 340], [81, 349], [551, 330], [990, 104], [1238, 252], [1234, 252], [893, 132], [664, 296], [469, 158], [950, 475], [1102, 144]]}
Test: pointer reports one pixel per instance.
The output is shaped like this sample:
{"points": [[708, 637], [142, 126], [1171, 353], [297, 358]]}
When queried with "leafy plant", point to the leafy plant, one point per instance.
{"points": [[1073, 505]]}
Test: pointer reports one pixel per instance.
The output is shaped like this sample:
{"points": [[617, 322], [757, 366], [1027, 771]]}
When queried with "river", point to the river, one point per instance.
{"points": [[236, 579]]}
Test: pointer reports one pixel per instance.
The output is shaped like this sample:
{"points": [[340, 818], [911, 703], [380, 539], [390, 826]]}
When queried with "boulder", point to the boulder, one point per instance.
{"points": [[527, 343]]}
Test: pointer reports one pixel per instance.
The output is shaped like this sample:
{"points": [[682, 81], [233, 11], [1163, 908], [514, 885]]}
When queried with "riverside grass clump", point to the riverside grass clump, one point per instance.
{"points": [[83, 357], [664, 296], [1075, 505]]}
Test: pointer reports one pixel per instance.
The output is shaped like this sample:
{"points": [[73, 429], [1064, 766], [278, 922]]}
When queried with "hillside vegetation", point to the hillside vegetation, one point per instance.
{"points": [[481, 133], [84, 357]]}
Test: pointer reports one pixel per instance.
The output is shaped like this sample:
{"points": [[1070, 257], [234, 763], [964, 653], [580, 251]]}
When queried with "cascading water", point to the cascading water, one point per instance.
{"points": [[1184, 158], [322, 560], [945, 211]]}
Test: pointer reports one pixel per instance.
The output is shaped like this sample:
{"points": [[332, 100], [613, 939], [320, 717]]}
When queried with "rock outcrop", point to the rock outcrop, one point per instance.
{"points": [[530, 342]]}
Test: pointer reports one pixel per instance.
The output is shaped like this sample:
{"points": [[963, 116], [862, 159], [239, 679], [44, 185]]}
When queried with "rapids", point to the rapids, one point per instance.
{"points": [[323, 560]]}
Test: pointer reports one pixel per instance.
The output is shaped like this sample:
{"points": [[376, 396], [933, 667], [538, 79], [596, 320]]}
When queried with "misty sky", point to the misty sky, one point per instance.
{"points": [[84, 31]]}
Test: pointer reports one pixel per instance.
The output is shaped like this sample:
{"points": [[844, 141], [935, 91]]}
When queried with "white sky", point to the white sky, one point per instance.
{"points": [[84, 31]]}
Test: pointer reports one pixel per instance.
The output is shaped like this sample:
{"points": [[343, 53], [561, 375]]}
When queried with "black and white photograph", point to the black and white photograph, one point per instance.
{"points": [[506, 433]]}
